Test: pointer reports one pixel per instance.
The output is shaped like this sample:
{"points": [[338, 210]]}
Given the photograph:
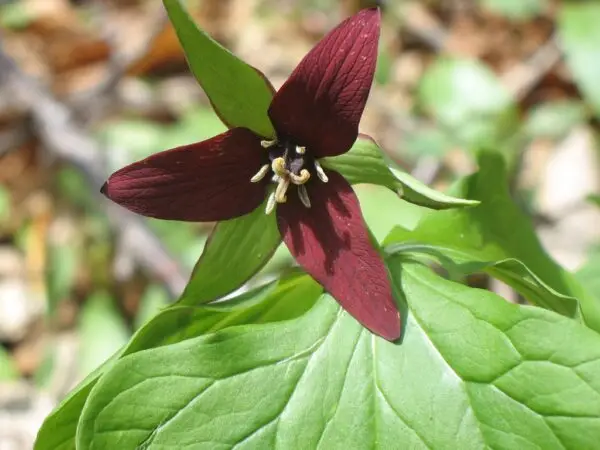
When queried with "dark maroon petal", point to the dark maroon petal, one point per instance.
{"points": [[202, 182], [331, 242], [320, 105]]}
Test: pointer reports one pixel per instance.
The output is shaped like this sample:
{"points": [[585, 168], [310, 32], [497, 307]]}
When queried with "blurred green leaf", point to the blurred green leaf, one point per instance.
{"points": [[63, 263], [515, 9], [323, 381], [366, 163], [43, 375], [580, 40], [141, 138], [429, 141], [183, 239], [384, 66], [594, 198], [285, 299], [15, 15], [495, 231], [196, 124], [138, 138], [467, 98], [8, 371], [240, 94], [4, 204], [554, 120], [235, 251], [155, 298], [102, 329], [72, 185]]}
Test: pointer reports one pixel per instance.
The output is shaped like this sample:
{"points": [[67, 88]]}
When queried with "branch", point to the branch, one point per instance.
{"points": [[117, 65], [524, 77], [65, 139]]}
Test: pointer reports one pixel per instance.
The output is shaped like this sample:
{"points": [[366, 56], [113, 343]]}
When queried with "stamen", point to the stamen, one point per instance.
{"points": [[270, 203], [303, 194], [281, 189], [300, 150], [268, 144], [278, 167], [260, 174], [300, 179], [321, 172]]}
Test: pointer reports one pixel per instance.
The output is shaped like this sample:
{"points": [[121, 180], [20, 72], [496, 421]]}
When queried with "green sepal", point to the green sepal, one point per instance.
{"points": [[366, 163], [239, 93]]}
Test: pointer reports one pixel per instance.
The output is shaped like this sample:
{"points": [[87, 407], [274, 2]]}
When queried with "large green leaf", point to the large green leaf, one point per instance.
{"points": [[472, 372], [59, 428], [460, 262], [236, 250], [289, 297], [365, 163], [239, 93], [496, 231], [102, 333], [580, 39]]}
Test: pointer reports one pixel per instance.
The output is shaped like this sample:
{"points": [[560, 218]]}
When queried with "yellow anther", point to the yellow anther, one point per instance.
{"points": [[281, 189], [270, 203], [300, 150], [260, 174], [268, 144], [300, 179], [278, 167], [321, 172], [303, 194]]}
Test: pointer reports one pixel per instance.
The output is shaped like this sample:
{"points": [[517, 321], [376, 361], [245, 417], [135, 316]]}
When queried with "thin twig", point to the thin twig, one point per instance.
{"points": [[523, 77], [65, 139], [118, 64], [13, 137]]}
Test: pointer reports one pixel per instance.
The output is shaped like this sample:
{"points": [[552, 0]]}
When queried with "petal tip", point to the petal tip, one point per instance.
{"points": [[374, 13], [104, 189], [390, 329]]}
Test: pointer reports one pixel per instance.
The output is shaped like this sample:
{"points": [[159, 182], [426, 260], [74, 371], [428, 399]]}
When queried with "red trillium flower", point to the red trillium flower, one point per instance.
{"points": [[315, 114]]}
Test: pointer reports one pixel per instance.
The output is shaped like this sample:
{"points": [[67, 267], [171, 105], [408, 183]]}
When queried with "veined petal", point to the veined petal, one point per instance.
{"points": [[331, 242], [202, 182], [320, 105]]}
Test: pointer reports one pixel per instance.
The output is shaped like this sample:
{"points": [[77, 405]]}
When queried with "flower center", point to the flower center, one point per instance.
{"points": [[291, 165]]}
